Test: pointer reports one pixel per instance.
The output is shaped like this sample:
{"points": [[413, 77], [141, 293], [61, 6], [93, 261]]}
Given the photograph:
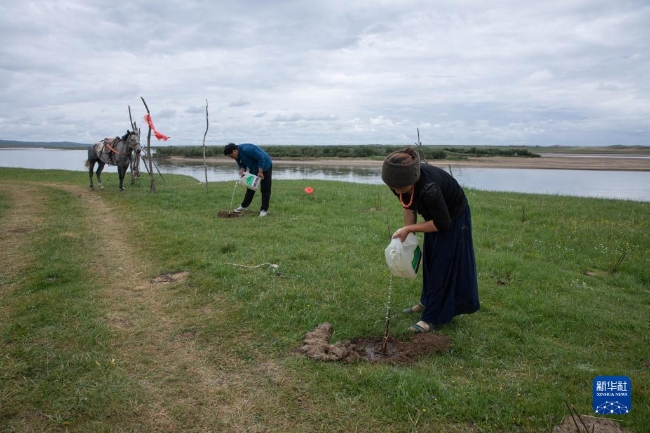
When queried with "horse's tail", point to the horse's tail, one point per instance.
{"points": [[87, 163]]}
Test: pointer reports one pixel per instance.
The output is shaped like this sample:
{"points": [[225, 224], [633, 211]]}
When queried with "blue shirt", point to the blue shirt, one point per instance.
{"points": [[253, 158]]}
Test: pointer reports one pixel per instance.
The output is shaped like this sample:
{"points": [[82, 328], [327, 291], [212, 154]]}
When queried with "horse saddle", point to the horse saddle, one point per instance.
{"points": [[106, 149]]}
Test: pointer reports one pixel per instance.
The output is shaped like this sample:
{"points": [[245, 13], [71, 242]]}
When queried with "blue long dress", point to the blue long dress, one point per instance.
{"points": [[449, 283]]}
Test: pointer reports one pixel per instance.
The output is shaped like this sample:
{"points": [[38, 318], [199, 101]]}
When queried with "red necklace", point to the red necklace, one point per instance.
{"points": [[406, 206]]}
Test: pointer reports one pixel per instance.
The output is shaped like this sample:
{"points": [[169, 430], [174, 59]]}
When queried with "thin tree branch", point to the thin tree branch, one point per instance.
{"points": [[205, 164]]}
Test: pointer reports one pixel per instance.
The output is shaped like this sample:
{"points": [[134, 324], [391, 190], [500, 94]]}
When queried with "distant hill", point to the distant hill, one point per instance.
{"points": [[47, 144]]}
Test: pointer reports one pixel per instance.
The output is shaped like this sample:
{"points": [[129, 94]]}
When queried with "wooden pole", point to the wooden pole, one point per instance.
{"points": [[135, 162], [205, 164], [133, 125], [419, 146], [153, 179]]}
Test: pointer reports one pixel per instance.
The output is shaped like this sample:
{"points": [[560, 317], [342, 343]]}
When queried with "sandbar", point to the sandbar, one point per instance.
{"points": [[582, 162]]}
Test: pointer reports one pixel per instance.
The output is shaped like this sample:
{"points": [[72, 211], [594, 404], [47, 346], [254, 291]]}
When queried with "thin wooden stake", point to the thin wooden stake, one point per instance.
{"points": [[419, 146], [133, 125], [205, 164], [144, 159], [135, 163], [153, 179], [384, 343], [613, 271], [571, 412]]}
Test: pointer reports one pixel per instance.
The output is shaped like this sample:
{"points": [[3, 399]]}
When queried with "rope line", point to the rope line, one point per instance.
{"points": [[270, 265]]}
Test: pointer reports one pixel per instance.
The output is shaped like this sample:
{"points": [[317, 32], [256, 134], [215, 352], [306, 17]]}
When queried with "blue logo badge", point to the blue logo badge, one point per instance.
{"points": [[612, 395]]}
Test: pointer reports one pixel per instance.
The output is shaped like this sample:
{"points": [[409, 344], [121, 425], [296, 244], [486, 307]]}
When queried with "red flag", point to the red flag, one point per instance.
{"points": [[158, 135]]}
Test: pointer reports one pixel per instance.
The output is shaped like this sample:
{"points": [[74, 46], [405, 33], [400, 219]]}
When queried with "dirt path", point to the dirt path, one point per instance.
{"points": [[20, 222], [151, 343], [154, 344]]}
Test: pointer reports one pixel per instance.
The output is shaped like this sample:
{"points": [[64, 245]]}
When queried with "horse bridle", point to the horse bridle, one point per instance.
{"points": [[120, 153]]}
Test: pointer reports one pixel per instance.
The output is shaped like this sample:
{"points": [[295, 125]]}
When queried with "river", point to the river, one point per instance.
{"points": [[626, 185]]}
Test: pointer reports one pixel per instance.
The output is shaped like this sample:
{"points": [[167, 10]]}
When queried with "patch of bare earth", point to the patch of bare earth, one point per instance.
{"points": [[183, 387], [316, 345], [588, 424]]}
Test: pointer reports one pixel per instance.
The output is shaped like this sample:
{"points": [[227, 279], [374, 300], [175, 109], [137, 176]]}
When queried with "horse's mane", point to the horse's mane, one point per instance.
{"points": [[125, 136]]}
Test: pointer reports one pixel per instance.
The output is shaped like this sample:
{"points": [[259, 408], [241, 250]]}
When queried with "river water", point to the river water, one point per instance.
{"points": [[627, 185]]}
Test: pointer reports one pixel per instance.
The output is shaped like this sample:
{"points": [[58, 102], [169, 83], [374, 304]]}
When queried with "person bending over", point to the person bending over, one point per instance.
{"points": [[251, 157], [449, 283]]}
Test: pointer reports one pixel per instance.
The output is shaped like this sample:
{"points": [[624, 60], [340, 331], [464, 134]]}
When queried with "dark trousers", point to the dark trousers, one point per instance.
{"points": [[265, 187]]}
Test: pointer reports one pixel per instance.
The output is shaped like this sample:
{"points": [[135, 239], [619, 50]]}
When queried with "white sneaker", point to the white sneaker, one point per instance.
{"points": [[263, 213], [240, 209]]}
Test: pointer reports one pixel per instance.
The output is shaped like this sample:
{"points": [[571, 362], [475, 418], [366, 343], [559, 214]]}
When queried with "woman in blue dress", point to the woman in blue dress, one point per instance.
{"points": [[449, 283]]}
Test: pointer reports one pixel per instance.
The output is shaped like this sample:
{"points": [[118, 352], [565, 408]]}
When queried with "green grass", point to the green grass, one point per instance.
{"points": [[56, 362], [552, 314]]}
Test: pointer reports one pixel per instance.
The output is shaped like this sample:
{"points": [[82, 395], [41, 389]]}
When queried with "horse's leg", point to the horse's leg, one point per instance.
{"points": [[100, 167], [121, 171], [91, 167]]}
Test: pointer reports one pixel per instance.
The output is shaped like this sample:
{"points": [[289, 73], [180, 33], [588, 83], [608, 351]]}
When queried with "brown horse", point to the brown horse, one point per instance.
{"points": [[118, 151]]}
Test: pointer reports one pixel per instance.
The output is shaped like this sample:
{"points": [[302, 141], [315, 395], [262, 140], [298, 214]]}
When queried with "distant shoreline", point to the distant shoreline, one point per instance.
{"points": [[638, 160], [584, 162]]}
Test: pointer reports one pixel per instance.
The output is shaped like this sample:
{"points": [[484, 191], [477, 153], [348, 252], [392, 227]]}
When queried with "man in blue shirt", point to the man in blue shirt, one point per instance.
{"points": [[251, 157]]}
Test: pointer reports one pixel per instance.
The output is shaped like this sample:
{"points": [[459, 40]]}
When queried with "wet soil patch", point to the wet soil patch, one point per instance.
{"points": [[170, 278], [371, 349], [20, 230], [228, 214], [596, 273]]}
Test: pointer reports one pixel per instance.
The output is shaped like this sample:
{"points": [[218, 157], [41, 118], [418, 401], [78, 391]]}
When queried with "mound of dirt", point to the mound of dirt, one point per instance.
{"points": [[170, 278], [316, 346], [592, 424], [228, 214]]}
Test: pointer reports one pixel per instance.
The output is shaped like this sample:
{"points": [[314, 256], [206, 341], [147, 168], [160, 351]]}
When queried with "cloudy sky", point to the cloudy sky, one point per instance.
{"points": [[464, 72]]}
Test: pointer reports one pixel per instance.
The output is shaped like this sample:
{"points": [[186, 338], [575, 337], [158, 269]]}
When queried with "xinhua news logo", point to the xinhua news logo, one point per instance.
{"points": [[612, 395]]}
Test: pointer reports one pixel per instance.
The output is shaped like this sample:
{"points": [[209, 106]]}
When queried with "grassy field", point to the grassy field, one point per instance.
{"points": [[143, 312]]}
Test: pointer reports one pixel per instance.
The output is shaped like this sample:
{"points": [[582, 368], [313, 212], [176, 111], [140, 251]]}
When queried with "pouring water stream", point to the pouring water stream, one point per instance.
{"points": [[384, 343], [387, 321], [232, 198]]}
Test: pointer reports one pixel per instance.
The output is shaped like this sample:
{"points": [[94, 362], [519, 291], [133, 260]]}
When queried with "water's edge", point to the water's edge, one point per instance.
{"points": [[628, 185]]}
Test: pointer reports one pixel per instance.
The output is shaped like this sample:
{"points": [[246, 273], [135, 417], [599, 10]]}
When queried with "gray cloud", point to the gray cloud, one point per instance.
{"points": [[332, 72], [239, 103]]}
